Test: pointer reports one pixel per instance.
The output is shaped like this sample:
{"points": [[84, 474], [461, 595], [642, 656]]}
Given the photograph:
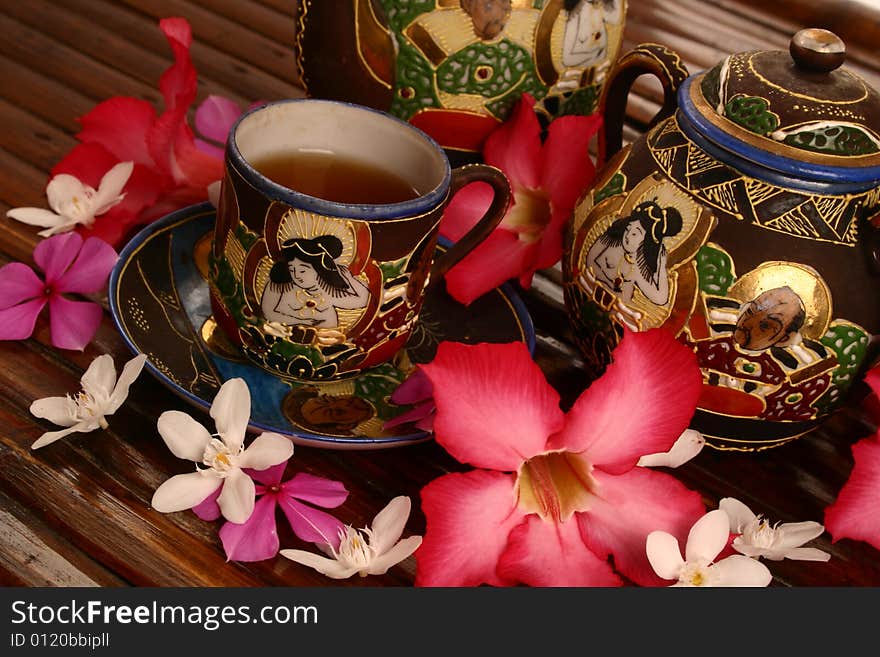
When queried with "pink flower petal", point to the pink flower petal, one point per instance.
{"points": [[416, 388], [87, 162], [639, 406], [270, 476], [255, 539], [208, 509], [515, 147], [198, 169], [566, 166], [311, 524], [419, 414], [209, 149], [55, 254], [179, 82], [469, 517], [465, 209], [90, 270], [472, 278], [17, 322], [627, 508], [316, 490], [856, 511], [120, 125], [73, 324], [495, 409], [214, 117], [544, 553], [548, 250], [18, 283]]}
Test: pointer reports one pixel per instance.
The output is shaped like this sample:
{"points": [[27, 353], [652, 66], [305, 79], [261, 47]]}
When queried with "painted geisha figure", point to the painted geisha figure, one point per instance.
{"points": [[307, 285], [630, 254]]}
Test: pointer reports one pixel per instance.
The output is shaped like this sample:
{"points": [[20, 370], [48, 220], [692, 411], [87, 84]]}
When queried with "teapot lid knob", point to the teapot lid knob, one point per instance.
{"points": [[818, 50]]}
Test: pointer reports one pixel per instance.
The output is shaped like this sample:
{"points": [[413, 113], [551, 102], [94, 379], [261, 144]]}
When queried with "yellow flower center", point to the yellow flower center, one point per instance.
{"points": [[529, 215], [555, 485]]}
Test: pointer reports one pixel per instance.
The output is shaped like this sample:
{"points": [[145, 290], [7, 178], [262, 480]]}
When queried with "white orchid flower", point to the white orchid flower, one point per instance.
{"points": [[74, 202], [102, 395], [758, 538], [705, 542], [688, 445], [370, 551], [223, 455]]}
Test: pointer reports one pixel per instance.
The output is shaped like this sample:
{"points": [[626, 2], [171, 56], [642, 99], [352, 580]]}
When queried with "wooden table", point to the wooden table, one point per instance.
{"points": [[77, 513]]}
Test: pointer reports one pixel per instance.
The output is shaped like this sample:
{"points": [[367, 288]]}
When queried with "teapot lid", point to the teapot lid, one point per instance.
{"points": [[798, 112]]}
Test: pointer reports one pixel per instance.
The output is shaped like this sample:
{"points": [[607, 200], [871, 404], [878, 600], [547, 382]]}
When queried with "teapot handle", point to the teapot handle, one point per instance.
{"points": [[651, 58]]}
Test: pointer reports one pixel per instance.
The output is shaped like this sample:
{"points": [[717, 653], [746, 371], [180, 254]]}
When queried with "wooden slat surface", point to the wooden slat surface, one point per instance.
{"points": [[78, 513]]}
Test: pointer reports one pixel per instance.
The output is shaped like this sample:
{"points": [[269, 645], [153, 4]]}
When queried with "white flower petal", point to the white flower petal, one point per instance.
{"points": [[740, 515], [738, 570], [237, 497], [37, 217], [100, 377], [110, 189], [67, 226], [58, 410], [806, 554], [744, 547], [388, 524], [395, 555], [795, 534], [268, 449], [130, 372], [664, 554], [231, 411], [688, 445], [184, 491], [62, 189], [708, 537], [185, 437], [329, 567], [51, 436]]}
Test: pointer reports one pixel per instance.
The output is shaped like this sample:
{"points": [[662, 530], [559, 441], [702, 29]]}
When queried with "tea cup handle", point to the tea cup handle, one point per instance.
{"points": [[651, 58], [487, 223]]}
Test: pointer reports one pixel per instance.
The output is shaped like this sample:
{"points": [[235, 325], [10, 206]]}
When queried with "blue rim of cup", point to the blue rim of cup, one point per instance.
{"points": [[365, 212]]}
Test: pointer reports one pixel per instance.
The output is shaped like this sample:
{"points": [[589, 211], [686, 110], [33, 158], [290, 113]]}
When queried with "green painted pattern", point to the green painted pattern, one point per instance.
{"points": [[512, 73], [246, 237], [752, 113], [850, 345], [401, 13], [230, 290], [392, 270], [711, 86], [715, 271], [376, 386], [834, 140], [581, 101], [613, 188], [414, 75]]}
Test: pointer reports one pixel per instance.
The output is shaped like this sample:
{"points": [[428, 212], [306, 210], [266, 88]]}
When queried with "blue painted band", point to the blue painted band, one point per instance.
{"points": [[768, 166], [365, 212]]}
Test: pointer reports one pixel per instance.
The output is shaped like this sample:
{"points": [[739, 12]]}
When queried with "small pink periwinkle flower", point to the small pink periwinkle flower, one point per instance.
{"points": [[70, 266]]}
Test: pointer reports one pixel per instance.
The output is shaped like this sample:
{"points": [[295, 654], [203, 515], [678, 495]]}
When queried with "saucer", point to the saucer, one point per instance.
{"points": [[159, 300]]}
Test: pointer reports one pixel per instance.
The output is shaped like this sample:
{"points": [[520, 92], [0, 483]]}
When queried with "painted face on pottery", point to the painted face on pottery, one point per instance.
{"points": [[586, 39], [489, 16], [345, 412], [632, 237], [773, 318], [303, 274]]}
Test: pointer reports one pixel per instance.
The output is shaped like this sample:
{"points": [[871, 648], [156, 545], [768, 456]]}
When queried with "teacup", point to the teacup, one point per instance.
{"points": [[320, 289]]}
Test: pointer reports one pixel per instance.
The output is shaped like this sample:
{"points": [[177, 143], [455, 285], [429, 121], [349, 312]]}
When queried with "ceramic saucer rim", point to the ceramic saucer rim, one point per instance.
{"points": [[298, 436]]}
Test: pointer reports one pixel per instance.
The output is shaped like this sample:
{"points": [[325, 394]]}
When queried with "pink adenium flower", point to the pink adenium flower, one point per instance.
{"points": [[171, 169], [257, 538], [417, 391], [70, 266], [855, 513], [546, 180], [555, 494]]}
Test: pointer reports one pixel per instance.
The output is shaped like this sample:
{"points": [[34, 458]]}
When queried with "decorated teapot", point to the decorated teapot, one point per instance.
{"points": [[741, 222], [455, 68]]}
